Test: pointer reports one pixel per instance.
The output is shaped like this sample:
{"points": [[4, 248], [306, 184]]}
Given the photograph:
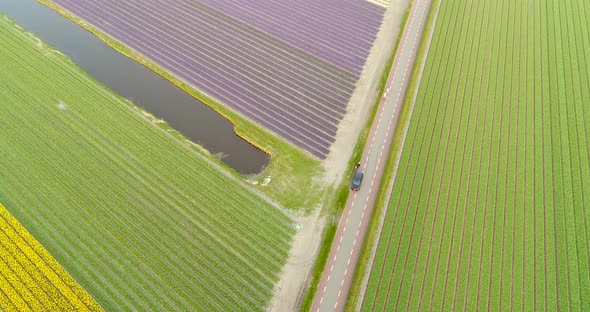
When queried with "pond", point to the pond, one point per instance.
{"points": [[146, 89]]}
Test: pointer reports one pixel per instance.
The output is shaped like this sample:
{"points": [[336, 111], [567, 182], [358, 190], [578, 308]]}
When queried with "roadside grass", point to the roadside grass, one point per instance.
{"points": [[293, 172], [343, 189], [140, 220], [333, 206], [381, 201]]}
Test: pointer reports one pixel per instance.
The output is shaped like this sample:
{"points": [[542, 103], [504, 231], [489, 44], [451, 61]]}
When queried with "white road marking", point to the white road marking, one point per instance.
{"points": [[412, 24]]}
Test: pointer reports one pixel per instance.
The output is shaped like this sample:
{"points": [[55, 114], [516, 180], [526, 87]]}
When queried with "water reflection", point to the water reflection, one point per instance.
{"points": [[132, 80]]}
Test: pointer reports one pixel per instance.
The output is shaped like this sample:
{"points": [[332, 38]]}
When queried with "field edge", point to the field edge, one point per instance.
{"points": [[288, 166]]}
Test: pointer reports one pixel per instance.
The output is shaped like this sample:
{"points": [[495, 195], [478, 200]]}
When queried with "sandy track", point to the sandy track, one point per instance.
{"points": [[340, 258], [365, 93], [296, 274]]}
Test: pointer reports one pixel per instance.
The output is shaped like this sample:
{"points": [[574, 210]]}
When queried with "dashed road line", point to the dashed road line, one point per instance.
{"points": [[378, 130]]}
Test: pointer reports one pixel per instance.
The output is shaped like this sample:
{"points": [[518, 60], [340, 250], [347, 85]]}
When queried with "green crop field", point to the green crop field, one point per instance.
{"points": [[139, 219], [490, 207]]}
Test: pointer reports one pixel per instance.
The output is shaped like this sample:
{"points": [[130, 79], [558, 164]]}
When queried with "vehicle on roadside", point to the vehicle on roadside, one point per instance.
{"points": [[357, 180]]}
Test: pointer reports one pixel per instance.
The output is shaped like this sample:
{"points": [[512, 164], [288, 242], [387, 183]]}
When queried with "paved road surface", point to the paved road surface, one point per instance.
{"points": [[336, 279]]}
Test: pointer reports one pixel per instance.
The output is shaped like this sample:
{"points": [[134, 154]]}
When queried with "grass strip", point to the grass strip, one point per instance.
{"points": [[289, 165]]}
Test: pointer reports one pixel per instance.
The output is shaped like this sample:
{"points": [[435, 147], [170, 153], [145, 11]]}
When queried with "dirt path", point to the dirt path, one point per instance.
{"points": [[365, 93], [296, 274], [335, 282]]}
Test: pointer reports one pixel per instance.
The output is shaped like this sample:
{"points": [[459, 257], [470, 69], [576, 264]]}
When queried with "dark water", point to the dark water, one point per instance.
{"points": [[132, 80]]}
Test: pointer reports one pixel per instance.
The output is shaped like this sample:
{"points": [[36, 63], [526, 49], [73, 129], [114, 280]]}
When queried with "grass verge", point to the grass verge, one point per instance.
{"points": [[394, 154], [343, 190], [292, 170], [122, 204]]}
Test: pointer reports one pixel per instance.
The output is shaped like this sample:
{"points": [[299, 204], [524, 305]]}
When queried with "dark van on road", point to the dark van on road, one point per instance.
{"points": [[357, 180]]}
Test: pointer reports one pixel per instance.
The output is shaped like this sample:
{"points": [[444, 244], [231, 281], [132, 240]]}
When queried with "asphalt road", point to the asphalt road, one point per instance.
{"points": [[335, 282]]}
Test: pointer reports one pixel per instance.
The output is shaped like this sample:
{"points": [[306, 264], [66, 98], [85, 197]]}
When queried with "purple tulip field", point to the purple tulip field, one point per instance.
{"points": [[290, 66]]}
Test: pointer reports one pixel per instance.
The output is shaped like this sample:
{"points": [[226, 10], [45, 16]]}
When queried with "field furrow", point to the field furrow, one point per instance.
{"points": [[139, 219], [30, 278], [489, 205], [294, 81]]}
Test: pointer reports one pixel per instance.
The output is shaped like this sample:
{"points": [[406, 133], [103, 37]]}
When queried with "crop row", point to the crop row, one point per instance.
{"points": [[287, 89], [139, 220], [488, 209], [332, 30], [32, 278], [103, 139]]}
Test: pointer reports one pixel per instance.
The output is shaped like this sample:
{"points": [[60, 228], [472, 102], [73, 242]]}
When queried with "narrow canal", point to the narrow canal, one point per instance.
{"points": [[193, 119]]}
